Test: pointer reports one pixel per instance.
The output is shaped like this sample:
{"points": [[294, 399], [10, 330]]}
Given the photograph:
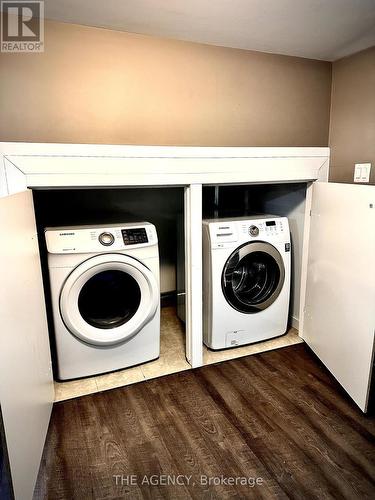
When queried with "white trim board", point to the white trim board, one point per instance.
{"points": [[73, 165]]}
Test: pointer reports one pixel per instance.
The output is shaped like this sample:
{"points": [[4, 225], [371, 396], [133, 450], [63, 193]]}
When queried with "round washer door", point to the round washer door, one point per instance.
{"points": [[107, 299], [253, 277]]}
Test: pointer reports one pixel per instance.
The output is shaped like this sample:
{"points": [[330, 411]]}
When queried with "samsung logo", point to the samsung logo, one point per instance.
{"points": [[66, 234]]}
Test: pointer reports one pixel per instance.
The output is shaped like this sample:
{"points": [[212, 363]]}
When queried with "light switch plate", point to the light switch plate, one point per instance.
{"points": [[362, 172]]}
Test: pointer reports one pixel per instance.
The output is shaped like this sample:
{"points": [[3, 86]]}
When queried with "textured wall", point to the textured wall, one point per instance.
{"points": [[352, 129], [99, 86]]}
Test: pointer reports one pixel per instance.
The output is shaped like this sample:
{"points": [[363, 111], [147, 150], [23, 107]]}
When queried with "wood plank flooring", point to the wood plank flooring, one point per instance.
{"points": [[277, 417]]}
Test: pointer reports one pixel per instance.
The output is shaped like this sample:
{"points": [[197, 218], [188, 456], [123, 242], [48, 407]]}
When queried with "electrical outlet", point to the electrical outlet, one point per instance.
{"points": [[362, 172]]}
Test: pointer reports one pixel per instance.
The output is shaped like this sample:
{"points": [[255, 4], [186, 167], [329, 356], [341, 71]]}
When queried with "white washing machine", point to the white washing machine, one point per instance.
{"points": [[105, 297], [246, 282]]}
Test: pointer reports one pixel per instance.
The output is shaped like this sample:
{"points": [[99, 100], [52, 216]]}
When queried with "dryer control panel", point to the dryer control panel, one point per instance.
{"points": [[134, 236], [87, 239]]}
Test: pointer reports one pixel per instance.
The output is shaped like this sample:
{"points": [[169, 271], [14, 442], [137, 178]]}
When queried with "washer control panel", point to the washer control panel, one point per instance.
{"points": [[266, 228], [225, 232], [87, 239]]}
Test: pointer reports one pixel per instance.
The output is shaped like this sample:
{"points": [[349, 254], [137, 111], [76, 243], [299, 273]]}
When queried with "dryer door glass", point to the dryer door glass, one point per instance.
{"points": [[253, 277], [109, 299]]}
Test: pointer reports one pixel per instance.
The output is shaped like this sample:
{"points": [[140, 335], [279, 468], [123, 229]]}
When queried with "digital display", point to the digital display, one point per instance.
{"points": [[270, 223], [134, 236]]}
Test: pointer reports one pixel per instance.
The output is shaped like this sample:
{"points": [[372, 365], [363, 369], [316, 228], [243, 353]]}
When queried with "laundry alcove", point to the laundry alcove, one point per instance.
{"points": [[161, 206], [279, 199], [164, 207]]}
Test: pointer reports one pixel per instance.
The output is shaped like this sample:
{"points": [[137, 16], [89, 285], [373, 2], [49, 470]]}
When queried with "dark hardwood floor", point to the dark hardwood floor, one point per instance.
{"points": [[278, 417]]}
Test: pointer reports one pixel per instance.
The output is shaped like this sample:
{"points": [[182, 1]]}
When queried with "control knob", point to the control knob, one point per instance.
{"points": [[106, 239], [254, 230]]}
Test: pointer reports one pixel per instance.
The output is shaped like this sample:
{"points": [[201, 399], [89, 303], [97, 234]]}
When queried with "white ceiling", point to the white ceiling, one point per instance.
{"points": [[318, 29]]}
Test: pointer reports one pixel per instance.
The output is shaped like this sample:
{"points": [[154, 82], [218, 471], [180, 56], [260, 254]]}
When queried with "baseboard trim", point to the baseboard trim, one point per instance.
{"points": [[295, 323]]}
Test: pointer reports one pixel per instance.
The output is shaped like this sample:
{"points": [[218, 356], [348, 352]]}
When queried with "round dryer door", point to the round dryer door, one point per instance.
{"points": [[107, 299], [253, 277]]}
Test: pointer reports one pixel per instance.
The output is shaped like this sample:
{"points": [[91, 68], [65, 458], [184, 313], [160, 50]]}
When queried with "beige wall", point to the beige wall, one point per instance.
{"points": [[352, 129], [99, 86]]}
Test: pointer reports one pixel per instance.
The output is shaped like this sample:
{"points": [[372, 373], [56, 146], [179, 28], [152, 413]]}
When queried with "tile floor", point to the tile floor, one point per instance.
{"points": [[172, 359]]}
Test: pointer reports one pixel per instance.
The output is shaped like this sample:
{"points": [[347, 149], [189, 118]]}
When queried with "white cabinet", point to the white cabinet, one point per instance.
{"points": [[339, 313], [337, 281], [26, 382]]}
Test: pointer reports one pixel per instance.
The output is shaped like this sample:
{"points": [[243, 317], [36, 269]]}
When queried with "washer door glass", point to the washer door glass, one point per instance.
{"points": [[253, 277], [108, 298]]}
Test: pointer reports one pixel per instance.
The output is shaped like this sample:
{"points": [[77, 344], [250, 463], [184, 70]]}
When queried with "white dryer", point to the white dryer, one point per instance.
{"points": [[105, 297], [246, 283]]}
